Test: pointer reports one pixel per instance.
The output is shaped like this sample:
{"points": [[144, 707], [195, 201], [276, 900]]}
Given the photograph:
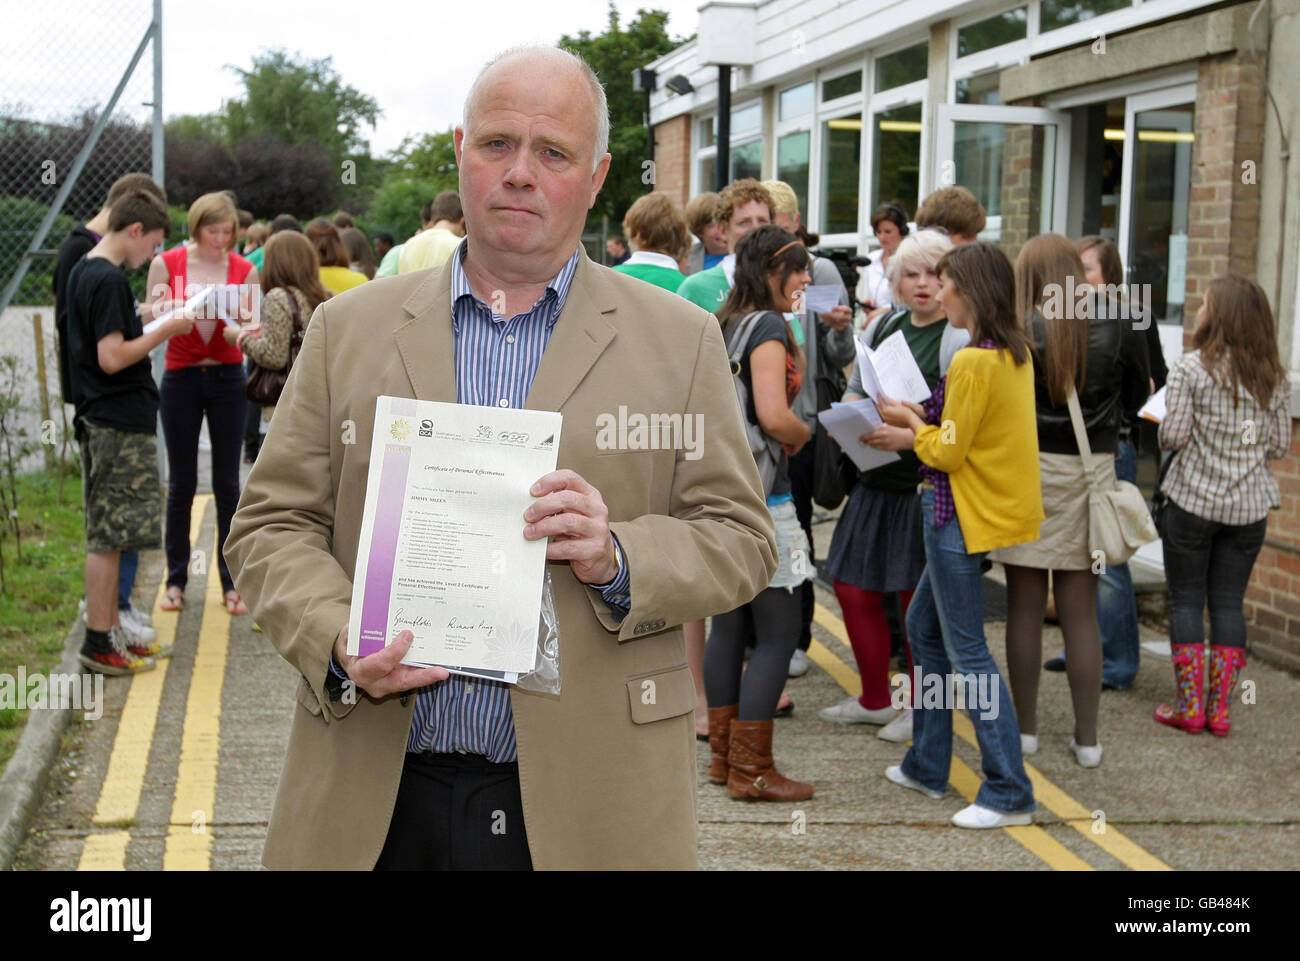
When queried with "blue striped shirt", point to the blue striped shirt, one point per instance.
{"points": [[496, 360]]}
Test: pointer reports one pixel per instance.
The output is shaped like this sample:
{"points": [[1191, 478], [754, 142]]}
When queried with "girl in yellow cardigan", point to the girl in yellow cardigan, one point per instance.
{"points": [[977, 440]]}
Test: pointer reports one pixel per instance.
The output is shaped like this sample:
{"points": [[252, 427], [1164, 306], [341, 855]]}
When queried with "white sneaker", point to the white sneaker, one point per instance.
{"points": [[799, 663], [849, 711], [141, 616], [138, 615], [1086, 756], [896, 775], [1028, 743], [899, 730], [135, 628], [978, 816]]}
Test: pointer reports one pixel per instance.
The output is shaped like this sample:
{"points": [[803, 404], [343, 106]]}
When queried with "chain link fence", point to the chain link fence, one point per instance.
{"points": [[61, 65]]}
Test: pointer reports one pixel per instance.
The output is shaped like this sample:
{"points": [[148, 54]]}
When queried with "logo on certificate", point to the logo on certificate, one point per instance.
{"points": [[400, 429], [426, 428]]}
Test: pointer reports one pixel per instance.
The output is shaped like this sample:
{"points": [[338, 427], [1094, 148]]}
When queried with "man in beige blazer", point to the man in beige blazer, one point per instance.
{"points": [[604, 772]]}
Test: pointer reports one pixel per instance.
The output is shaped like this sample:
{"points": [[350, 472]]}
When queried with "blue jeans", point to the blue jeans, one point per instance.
{"points": [[945, 625], [129, 564], [1117, 614]]}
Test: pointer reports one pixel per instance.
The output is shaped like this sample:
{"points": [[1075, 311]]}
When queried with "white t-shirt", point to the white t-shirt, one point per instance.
{"points": [[875, 285]]}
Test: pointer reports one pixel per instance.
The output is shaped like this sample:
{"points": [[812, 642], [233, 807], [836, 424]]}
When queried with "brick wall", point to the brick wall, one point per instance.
{"points": [[1223, 235], [673, 158]]}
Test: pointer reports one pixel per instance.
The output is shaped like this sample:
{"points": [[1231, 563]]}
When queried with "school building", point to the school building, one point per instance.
{"points": [[1162, 124]]}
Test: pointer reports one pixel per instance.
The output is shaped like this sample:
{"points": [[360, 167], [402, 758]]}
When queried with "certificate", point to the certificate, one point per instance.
{"points": [[891, 370], [442, 551]]}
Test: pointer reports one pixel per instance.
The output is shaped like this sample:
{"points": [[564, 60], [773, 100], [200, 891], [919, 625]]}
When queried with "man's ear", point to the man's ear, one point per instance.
{"points": [[458, 140], [598, 179]]}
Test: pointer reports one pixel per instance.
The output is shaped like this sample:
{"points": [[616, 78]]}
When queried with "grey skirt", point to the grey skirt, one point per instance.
{"points": [[1062, 543], [877, 543]]}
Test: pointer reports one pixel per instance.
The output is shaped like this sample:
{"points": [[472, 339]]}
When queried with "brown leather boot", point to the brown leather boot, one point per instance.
{"points": [[720, 719], [751, 775]]}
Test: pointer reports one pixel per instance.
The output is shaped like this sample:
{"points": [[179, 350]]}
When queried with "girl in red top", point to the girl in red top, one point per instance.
{"points": [[204, 378]]}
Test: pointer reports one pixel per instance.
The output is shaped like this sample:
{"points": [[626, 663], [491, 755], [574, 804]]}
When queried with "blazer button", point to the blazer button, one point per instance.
{"points": [[403, 699]]}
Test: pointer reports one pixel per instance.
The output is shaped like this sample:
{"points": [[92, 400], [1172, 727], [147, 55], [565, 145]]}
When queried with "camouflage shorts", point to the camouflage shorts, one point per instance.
{"points": [[123, 497]]}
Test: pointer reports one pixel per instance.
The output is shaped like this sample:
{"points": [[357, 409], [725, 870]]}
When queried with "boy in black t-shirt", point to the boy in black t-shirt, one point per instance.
{"points": [[117, 408], [79, 242]]}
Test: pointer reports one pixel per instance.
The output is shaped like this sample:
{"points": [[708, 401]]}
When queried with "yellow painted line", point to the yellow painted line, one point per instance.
{"points": [[1124, 850], [119, 795], [188, 846], [1031, 837], [104, 852]]}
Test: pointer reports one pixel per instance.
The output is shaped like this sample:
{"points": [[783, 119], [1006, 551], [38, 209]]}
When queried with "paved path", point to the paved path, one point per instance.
{"points": [[180, 772]]}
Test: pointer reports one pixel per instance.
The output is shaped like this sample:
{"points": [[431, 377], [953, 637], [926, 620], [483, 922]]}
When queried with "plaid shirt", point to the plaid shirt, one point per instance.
{"points": [[1224, 441], [945, 508]]}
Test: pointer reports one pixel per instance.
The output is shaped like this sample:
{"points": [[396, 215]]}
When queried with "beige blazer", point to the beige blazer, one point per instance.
{"points": [[607, 774]]}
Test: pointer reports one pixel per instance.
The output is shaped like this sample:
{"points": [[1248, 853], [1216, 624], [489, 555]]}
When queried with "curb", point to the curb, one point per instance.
{"points": [[23, 781]]}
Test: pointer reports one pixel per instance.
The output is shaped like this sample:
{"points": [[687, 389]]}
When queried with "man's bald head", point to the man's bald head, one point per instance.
{"points": [[560, 59]]}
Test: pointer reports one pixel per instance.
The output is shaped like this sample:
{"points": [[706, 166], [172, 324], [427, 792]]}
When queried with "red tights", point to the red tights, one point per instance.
{"points": [[869, 635]]}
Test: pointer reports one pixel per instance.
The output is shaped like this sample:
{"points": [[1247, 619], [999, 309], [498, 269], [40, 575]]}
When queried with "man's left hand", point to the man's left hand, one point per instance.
{"points": [[839, 318], [573, 513]]}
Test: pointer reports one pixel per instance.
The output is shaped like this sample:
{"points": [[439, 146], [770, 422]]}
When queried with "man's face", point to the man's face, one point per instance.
{"points": [[526, 180], [141, 245], [714, 239], [614, 248], [745, 218]]}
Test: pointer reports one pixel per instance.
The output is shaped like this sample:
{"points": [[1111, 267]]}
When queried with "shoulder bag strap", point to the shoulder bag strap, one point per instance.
{"points": [[743, 334], [1081, 435]]}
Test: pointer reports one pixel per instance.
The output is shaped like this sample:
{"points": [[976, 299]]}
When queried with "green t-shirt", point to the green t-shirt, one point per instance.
{"points": [[664, 277], [255, 258], [708, 288], [388, 266], [924, 343]]}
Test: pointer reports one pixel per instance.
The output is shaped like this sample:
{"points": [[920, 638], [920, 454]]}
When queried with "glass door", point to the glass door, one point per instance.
{"points": [[1016, 162], [1158, 135]]}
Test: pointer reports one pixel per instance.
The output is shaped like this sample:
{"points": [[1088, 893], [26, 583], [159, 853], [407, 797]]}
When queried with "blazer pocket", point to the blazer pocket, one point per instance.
{"points": [[655, 697], [307, 697]]}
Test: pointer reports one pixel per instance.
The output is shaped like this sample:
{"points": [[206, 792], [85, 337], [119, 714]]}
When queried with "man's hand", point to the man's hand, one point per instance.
{"points": [[382, 672], [901, 413], [573, 513], [839, 318], [885, 437]]}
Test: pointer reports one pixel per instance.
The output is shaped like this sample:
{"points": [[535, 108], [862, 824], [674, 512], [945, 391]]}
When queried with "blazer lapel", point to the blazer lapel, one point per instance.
{"points": [[425, 342], [581, 335]]}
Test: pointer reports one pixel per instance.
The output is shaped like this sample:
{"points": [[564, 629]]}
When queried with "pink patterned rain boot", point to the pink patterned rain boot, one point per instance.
{"points": [[1225, 664], [1189, 672]]}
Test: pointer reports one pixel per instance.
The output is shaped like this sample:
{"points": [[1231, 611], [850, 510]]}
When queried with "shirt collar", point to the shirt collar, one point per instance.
{"points": [[557, 288], [728, 266], [650, 259]]}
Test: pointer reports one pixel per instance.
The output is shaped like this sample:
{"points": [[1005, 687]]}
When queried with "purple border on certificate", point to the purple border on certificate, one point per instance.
{"points": [[383, 548]]}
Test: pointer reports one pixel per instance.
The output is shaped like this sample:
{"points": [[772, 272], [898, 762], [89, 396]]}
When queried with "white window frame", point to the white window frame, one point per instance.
{"points": [[881, 53], [704, 153]]}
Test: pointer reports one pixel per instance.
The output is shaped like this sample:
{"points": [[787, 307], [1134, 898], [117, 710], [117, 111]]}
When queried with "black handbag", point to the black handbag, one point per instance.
{"points": [[1159, 499], [264, 386], [834, 473]]}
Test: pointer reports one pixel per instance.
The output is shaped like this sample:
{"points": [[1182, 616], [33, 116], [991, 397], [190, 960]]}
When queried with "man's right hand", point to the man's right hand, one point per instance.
{"points": [[382, 673]]}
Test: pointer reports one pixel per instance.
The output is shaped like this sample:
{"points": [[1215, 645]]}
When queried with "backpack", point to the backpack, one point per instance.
{"points": [[767, 452]]}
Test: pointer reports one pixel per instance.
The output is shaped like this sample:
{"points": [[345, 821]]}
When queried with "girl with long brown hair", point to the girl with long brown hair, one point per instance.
{"points": [[772, 268], [291, 290], [975, 440], [1228, 415], [1081, 346]]}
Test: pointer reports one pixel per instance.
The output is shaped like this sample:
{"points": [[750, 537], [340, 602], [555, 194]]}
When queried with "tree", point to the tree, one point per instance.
{"points": [[614, 55], [418, 170], [298, 101]]}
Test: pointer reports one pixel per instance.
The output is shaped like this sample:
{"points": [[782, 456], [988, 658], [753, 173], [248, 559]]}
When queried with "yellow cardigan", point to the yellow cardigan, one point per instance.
{"points": [[987, 444]]}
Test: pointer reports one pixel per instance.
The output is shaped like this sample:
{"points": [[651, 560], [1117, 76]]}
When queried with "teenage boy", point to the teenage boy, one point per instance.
{"points": [[78, 243], [116, 420]]}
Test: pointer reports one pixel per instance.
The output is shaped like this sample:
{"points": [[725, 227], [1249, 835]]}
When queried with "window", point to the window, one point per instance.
{"points": [[981, 89], [896, 158], [1004, 28], [792, 152], [746, 120], [842, 86], [747, 160], [905, 66], [1054, 14], [796, 101], [841, 164], [708, 131]]}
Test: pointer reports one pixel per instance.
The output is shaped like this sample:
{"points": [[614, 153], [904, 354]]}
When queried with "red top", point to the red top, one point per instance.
{"points": [[205, 341]]}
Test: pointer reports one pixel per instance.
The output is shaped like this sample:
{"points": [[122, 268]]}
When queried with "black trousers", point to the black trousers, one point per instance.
{"points": [[456, 812]]}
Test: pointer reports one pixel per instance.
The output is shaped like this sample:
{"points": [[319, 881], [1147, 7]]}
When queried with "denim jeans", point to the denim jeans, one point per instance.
{"points": [[1206, 560], [945, 625], [126, 569], [188, 395], [1117, 614]]}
